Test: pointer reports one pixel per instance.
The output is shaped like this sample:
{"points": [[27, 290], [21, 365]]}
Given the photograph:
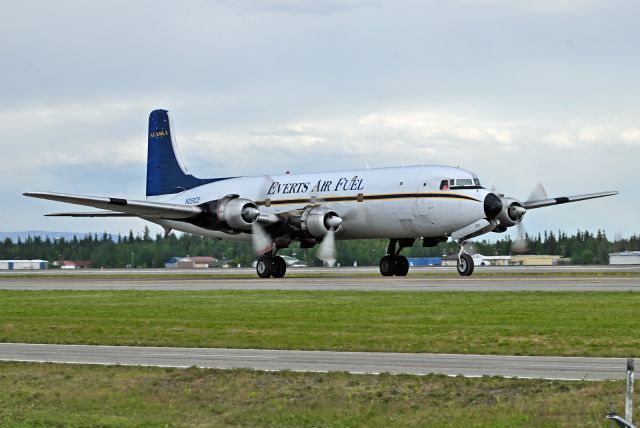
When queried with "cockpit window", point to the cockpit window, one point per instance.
{"points": [[464, 182], [460, 183]]}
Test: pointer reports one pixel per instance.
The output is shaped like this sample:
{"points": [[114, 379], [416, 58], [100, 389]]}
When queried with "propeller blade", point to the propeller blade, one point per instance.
{"points": [[327, 250], [261, 241], [520, 244], [538, 193]]}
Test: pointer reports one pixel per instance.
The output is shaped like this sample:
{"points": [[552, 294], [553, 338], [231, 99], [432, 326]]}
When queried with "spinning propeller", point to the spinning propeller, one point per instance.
{"points": [[261, 241], [521, 243], [327, 250]]}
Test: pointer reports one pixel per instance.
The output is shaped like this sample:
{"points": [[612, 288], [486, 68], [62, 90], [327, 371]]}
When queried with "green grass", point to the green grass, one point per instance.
{"points": [[519, 323], [79, 396]]}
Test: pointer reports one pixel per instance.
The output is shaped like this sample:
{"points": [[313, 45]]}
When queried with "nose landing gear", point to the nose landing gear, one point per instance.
{"points": [[465, 262]]}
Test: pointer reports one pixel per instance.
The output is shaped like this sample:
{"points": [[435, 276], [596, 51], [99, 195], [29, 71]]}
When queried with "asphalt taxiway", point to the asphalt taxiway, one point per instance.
{"points": [[348, 270], [564, 368], [342, 283]]}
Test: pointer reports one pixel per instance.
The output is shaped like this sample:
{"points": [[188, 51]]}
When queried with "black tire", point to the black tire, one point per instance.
{"points": [[279, 267], [402, 266], [387, 266], [465, 265], [264, 267]]}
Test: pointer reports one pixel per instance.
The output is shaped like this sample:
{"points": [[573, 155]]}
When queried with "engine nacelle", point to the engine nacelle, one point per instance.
{"points": [[230, 214], [511, 213], [237, 213], [317, 221]]}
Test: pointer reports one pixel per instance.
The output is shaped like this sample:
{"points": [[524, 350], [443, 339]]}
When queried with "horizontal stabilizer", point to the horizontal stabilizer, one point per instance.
{"points": [[565, 199], [91, 214], [125, 206]]}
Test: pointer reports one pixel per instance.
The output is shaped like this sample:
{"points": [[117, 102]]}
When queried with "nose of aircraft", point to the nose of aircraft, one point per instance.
{"points": [[492, 206]]}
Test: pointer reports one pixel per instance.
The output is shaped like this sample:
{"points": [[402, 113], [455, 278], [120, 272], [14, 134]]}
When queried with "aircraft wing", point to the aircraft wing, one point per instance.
{"points": [[121, 207], [529, 205]]}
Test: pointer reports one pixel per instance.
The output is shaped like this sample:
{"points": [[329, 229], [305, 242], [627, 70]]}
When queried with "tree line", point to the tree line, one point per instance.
{"points": [[145, 251]]}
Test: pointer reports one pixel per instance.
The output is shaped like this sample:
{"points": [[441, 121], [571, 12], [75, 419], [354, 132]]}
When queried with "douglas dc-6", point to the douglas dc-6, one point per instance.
{"points": [[403, 204]]}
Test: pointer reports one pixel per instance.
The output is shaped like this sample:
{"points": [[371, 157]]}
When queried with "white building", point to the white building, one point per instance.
{"points": [[478, 260], [22, 264], [625, 258]]}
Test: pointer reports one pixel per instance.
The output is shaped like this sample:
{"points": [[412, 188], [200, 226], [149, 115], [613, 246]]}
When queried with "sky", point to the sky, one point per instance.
{"points": [[519, 92]]}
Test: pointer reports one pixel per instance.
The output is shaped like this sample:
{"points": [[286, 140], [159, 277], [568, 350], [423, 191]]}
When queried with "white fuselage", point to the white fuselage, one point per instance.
{"points": [[400, 202]]}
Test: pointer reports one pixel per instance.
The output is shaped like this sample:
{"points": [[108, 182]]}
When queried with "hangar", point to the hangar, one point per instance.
{"points": [[535, 260], [198, 262], [625, 258], [23, 264]]}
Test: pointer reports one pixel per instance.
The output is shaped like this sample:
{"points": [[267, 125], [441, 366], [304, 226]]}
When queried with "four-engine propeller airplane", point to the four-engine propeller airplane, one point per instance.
{"points": [[430, 203]]}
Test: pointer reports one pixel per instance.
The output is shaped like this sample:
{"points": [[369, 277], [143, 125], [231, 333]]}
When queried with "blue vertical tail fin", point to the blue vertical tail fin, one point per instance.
{"points": [[165, 172]]}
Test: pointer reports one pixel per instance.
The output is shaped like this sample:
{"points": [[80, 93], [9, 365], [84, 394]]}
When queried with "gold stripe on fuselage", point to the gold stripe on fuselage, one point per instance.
{"points": [[370, 197]]}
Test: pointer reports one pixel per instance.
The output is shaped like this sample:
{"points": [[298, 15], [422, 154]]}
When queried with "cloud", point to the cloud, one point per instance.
{"points": [[631, 136], [383, 138], [71, 134], [560, 139], [593, 136]]}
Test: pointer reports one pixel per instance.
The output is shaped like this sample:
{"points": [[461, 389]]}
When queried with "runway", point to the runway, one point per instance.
{"points": [[340, 283], [359, 270], [564, 368]]}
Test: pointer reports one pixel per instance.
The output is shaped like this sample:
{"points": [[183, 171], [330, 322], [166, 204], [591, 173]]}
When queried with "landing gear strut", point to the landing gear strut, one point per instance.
{"points": [[394, 263], [271, 265], [465, 262]]}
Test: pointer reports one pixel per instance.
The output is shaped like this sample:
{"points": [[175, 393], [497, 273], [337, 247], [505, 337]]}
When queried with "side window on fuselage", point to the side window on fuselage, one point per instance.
{"points": [[444, 185]]}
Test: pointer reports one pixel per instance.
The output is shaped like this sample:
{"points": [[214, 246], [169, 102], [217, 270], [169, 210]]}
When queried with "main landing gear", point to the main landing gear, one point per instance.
{"points": [[394, 263], [271, 265]]}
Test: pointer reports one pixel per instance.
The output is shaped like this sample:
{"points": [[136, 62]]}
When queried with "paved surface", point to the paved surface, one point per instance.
{"points": [[373, 270], [425, 283], [568, 368]]}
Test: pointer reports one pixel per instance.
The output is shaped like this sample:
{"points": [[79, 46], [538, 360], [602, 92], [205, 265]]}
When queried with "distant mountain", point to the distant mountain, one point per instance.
{"points": [[43, 234]]}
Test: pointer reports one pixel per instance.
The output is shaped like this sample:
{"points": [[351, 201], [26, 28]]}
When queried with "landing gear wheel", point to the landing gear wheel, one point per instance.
{"points": [[265, 266], [402, 266], [387, 266], [279, 267], [465, 265]]}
